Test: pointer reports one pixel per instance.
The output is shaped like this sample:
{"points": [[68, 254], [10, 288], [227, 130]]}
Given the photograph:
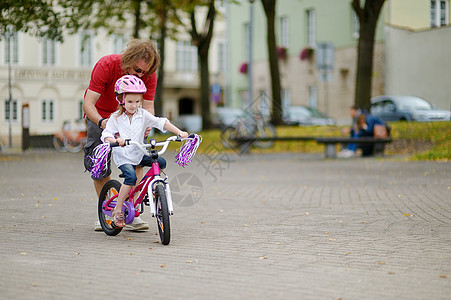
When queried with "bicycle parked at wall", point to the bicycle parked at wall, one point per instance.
{"points": [[153, 190], [249, 127], [71, 138]]}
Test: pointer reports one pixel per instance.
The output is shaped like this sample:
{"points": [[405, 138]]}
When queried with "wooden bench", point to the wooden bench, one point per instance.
{"points": [[245, 143], [331, 144]]}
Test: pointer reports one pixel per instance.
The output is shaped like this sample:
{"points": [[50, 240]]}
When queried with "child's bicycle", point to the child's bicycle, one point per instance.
{"points": [[153, 190]]}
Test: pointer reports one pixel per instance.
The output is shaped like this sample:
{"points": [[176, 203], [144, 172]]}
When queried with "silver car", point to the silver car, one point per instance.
{"points": [[406, 108]]}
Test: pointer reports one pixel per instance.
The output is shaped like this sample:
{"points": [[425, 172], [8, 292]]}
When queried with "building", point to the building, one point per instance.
{"points": [[304, 25], [51, 78]]}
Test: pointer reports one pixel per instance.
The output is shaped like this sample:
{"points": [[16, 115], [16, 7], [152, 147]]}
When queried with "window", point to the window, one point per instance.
{"points": [[221, 57], [311, 27], [246, 42], [85, 50], [439, 13], [47, 110], [312, 96], [11, 110], [355, 25], [118, 43], [81, 113], [186, 57], [286, 100], [284, 32], [48, 52], [12, 52]]}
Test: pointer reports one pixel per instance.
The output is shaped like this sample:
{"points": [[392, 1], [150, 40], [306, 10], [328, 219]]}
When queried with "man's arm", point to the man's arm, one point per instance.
{"points": [[89, 108], [149, 106]]}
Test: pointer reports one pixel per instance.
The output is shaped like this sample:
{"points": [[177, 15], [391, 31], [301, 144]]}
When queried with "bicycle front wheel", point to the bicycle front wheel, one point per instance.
{"points": [[266, 131], [162, 214], [110, 189]]}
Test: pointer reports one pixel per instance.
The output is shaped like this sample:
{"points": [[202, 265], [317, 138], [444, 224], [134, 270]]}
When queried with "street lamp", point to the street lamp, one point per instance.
{"points": [[249, 65], [8, 34]]}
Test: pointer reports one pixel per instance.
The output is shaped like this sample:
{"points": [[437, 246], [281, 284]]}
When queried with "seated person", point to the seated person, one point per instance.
{"points": [[363, 127]]}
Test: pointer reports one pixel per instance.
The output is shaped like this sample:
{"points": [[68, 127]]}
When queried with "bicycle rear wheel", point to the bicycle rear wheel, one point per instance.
{"points": [[73, 144], [58, 144], [110, 189], [265, 131], [162, 214], [229, 136]]}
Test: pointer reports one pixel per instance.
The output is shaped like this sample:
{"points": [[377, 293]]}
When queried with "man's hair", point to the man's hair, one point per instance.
{"points": [[137, 50], [355, 107]]}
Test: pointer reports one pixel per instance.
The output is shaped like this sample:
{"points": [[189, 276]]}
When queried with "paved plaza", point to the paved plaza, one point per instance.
{"points": [[256, 226]]}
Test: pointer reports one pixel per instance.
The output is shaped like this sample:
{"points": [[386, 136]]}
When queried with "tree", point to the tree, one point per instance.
{"points": [[35, 17], [202, 41], [270, 10], [368, 16]]}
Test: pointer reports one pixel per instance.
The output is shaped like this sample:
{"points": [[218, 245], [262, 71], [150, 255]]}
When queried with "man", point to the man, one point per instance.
{"points": [[140, 59], [350, 149]]}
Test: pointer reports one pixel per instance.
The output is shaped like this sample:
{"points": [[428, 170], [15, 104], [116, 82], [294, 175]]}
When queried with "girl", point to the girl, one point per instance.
{"points": [[130, 122]]}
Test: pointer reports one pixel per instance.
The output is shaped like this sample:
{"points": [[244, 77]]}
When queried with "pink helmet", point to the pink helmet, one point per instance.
{"points": [[129, 84]]}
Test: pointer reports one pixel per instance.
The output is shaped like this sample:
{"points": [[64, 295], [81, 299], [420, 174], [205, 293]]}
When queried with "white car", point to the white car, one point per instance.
{"points": [[406, 108]]}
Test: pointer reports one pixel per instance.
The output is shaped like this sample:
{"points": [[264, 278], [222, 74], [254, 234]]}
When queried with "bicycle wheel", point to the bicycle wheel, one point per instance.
{"points": [[265, 131], [73, 144], [162, 214], [229, 136], [58, 144], [110, 189]]}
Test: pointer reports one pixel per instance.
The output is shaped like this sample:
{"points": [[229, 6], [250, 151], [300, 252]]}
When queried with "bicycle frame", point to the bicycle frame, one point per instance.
{"points": [[151, 177]]}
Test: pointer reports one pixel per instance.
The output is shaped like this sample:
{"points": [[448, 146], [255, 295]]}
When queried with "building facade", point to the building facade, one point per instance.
{"points": [[50, 78]]}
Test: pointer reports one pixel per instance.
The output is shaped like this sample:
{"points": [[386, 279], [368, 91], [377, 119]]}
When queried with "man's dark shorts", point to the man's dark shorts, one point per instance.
{"points": [[94, 133]]}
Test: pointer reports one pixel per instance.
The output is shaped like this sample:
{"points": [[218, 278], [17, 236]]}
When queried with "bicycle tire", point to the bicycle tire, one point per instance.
{"points": [[58, 144], [268, 131], [110, 189], [229, 136], [162, 214], [73, 145]]}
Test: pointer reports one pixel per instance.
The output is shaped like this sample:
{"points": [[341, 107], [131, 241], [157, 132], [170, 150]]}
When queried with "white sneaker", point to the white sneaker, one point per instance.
{"points": [[97, 226], [346, 153], [137, 225]]}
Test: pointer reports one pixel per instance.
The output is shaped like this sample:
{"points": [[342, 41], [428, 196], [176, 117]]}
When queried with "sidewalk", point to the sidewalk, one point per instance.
{"points": [[287, 226]]}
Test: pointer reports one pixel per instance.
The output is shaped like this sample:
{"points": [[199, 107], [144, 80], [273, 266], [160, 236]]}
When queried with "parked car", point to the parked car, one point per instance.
{"points": [[406, 108], [303, 115], [226, 116]]}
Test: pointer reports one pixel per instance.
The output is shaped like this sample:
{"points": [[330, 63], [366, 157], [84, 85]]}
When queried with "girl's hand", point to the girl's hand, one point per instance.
{"points": [[183, 134], [121, 142]]}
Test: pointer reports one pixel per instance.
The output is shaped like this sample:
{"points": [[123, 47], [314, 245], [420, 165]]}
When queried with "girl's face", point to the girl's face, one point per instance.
{"points": [[132, 102]]}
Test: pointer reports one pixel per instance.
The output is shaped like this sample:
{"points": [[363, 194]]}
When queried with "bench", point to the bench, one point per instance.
{"points": [[331, 143], [245, 143]]}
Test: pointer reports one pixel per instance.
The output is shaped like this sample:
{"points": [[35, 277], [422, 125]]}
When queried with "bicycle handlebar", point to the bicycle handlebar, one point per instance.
{"points": [[153, 143]]}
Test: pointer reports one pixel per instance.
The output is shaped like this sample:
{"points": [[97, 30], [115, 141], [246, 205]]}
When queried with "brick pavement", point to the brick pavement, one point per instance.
{"points": [[288, 226]]}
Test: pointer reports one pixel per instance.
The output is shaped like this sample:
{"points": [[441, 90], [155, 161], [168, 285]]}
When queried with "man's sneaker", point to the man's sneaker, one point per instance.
{"points": [[137, 225], [97, 226], [346, 153]]}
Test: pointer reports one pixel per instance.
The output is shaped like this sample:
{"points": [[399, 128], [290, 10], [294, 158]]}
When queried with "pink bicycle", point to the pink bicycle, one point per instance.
{"points": [[153, 190]]}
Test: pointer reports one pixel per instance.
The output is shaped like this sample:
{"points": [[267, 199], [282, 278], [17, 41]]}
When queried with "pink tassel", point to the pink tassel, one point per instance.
{"points": [[99, 159], [188, 150]]}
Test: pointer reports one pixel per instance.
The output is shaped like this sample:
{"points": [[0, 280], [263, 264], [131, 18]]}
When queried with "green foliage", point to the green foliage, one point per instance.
{"points": [[36, 17]]}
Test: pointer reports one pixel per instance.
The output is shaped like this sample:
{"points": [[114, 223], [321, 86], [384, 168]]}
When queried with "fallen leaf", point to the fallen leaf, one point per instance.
{"points": [[130, 253], [77, 253], [391, 273], [262, 257], [162, 266], [443, 276], [23, 253], [347, 253], [55, 199], [381, 262], [189, 261]]}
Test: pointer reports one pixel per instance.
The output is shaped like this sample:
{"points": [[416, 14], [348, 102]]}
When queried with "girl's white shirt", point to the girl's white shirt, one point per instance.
{"points": [[134, 129]]}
